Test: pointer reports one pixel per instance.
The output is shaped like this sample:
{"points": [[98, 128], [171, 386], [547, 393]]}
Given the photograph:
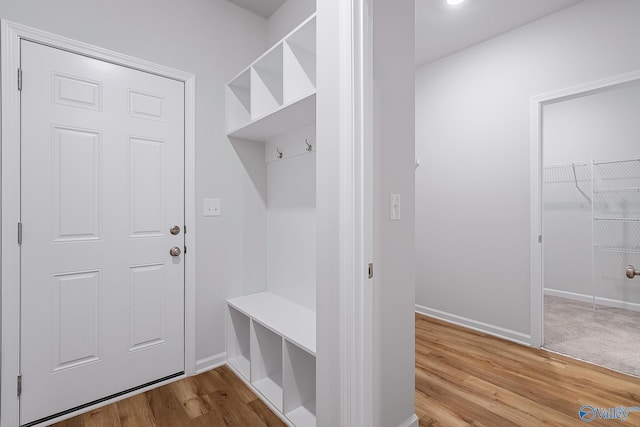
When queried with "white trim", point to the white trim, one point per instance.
{"points": [[356, 220], [536, 228], [608, 302], [355, 165], [413, 421], [11, 34], [496, 331], [10, 260], [211, 362]]}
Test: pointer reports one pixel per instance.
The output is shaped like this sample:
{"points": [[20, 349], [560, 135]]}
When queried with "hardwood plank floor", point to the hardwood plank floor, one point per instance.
{"points": [[466, 378], [214, 398], [463, 378]]}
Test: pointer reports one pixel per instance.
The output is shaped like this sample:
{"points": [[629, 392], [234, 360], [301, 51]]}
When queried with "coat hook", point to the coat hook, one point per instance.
{"points": [[279, 155], [309, 146]]}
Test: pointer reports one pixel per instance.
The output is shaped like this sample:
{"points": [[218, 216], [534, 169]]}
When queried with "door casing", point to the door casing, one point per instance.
{"points": [[537, 233], [11, 34]]}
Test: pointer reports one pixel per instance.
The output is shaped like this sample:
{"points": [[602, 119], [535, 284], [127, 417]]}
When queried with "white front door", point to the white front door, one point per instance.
{"points": [[102, 183]]}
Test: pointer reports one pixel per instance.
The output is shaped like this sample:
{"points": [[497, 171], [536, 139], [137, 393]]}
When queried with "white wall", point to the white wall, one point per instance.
{"points": [[472, 135], [213, 39], [602, 126], [393, 241], [287, 17], [291, 217]]}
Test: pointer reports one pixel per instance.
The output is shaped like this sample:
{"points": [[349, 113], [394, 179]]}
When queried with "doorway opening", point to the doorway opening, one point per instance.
{"points": [[590, 221]]}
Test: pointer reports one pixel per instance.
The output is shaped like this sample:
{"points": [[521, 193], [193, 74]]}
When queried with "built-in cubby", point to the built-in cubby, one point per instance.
{"points": [[238, 342], [271, 335], [267, 83], [271, 345], [266, 363], [299, 378], [276, 93], [299, 67], [239, 101]]}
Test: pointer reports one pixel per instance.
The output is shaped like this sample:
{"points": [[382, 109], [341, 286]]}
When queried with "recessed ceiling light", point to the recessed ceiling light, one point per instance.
{"points": [[454, 2]]}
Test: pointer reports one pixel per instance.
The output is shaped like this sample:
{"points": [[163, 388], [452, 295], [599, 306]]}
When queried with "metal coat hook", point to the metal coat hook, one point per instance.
{"points": [[309, 146], [279, 155]]}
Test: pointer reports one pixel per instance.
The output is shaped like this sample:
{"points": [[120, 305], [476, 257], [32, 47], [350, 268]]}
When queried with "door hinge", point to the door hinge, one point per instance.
{"points": [[370, 270], [539, 238], [185, 229], [19, 385], [185, 250], [19, 233], [19, 79]]}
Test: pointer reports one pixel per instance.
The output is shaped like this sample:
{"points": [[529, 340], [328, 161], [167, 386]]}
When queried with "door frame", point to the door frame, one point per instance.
{"points": [[11, 35], [537, 232]]}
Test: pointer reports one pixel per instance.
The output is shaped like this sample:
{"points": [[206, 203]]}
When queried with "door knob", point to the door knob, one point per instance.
{"points": [[632, 272], [175, 251], [174, 229]]}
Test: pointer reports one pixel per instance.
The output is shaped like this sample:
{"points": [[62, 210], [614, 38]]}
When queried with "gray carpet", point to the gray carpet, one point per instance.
{"points": [[608, 337]]}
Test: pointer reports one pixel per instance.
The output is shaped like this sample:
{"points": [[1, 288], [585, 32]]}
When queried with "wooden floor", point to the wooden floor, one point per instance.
{"points": [[214, 398], [463, 378], [467, 378]]}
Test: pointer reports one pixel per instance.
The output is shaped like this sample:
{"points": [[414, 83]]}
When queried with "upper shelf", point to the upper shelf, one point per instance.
{"points": [[294, 115], [280, 83]]}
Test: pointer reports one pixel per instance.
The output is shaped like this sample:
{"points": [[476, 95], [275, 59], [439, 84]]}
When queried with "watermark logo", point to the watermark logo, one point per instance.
{"points": [[589, 413]]}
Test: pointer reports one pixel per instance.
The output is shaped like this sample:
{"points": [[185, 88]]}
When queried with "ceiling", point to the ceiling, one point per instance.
{"points": [[264, 8], [442, 29]]}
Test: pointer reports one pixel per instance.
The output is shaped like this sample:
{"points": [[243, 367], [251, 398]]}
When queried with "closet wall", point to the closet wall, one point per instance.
{"points": [[602, 127], [271, 324], [473, 137]]}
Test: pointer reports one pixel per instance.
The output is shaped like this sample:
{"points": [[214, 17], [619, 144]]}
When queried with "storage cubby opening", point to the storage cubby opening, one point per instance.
{"points": [[266, 363], [239, 101], [241, 88], [299, 386], [300, 62], [267, 83], [305, 36], [238, 341]]}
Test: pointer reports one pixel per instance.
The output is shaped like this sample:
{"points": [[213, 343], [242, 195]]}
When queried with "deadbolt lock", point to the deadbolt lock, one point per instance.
{"points": [[174, 230]]}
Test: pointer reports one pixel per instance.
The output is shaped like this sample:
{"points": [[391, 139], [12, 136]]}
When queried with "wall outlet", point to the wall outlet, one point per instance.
{"points": [[211, 207]]}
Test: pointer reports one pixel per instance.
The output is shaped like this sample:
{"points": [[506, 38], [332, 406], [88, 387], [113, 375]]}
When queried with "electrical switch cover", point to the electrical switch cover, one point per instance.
{"points": [[212, 207], [394, 207]]}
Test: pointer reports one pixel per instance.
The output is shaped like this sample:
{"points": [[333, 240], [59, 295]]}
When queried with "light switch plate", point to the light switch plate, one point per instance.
{"points": [[394, 207], [211, 207]]}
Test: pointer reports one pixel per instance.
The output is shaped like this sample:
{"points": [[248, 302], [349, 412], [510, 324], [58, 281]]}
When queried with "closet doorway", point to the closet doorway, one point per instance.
{"points": [[591, 225]]}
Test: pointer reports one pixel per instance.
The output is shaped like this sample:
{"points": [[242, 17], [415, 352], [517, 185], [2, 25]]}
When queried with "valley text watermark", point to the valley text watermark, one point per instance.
{"points": [[589, 413]]}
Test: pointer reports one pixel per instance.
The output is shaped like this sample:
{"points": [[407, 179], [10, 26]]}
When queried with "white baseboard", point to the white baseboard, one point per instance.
{"points": [[413, 421], [211, 362], [487, 328], [589, 299]]}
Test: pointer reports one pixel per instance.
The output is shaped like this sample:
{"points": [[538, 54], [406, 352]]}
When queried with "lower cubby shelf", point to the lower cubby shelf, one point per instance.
{"points": [[238, 341], [271, 344], [266, 363]]}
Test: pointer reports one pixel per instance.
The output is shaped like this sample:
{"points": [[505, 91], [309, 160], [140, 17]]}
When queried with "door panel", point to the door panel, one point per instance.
{"points": [[102, 181]]}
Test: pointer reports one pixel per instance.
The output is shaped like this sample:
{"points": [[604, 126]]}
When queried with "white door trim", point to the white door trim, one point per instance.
{"points": [[357, 203], [356, 214], [11, 34], [537, 265]]}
